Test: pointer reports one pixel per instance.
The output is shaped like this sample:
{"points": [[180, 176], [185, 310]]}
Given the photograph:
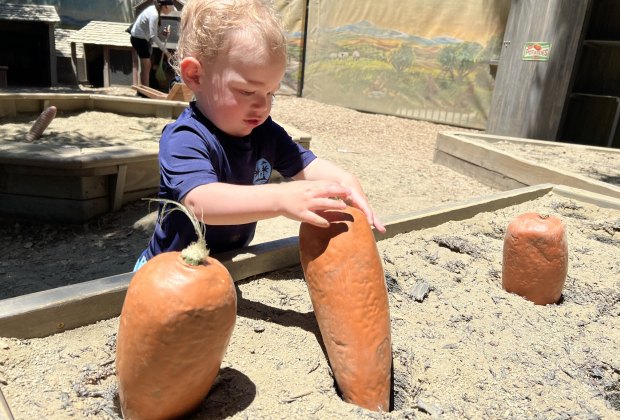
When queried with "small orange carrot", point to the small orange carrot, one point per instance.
{"points": [[535, 258]]}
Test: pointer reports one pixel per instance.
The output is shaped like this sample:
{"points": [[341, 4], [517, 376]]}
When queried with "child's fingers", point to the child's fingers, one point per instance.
{"points": [[333, 190], [327, 204], [378, 225], [316, 220], [362, 204]]}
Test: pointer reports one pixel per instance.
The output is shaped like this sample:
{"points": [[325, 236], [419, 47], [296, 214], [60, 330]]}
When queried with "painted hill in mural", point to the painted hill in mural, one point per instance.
{"points": [[367, 29]]}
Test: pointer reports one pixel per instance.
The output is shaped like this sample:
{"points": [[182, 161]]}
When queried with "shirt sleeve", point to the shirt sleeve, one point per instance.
{"points": [[291, 157], [187, 160]]}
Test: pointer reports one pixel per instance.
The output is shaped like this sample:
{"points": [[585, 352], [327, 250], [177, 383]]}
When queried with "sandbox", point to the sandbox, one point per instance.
{"points": [[69, 182], [462, 346], [509, 162]]}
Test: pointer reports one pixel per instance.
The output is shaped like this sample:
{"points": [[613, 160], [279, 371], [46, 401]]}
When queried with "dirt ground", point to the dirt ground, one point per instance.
{"points": [[463, 349]]}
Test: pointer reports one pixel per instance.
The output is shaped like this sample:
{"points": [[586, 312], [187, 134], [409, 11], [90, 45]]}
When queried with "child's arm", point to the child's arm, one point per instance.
{"points": [[228, 204], [320, 169]]}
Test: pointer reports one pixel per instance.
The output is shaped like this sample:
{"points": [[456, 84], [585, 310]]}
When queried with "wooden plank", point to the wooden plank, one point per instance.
{"points": [[600, 200], [492, 138], [47, 312], [23, 169], [180, 92], [38, 155], [56, 209], [485, 176], [521, 170], [149, 92], [133, 195], [118, 187], [462, 210], [14, 103], [62, 187], [142, 175]]}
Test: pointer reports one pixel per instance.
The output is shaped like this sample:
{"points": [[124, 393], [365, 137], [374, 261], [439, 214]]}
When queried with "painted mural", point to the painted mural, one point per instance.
{"points": [[423, 59]]}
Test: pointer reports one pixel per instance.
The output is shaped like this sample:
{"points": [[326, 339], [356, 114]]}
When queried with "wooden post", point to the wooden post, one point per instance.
{"points": [[106, 66], [52, 58]]}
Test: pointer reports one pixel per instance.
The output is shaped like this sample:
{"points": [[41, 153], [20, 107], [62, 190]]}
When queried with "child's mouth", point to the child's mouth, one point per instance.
{"points": [[253, 122]]}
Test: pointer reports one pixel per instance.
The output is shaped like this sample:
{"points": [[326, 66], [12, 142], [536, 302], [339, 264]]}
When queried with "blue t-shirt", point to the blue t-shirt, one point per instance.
{"points": [[194, 152]]}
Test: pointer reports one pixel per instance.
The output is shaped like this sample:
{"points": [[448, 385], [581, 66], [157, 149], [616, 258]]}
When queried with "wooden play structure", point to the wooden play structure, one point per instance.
{"points": [[28, 52], [108, 55]]}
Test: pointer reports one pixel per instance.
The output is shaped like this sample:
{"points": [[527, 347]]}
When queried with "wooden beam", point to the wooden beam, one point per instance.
{"points": [[106, 66], [475, 156], [118, 187]]}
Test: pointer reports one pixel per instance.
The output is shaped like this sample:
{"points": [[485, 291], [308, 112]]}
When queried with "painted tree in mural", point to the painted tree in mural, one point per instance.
{"points": [[402, 58], [457, 61], [492, 50]]}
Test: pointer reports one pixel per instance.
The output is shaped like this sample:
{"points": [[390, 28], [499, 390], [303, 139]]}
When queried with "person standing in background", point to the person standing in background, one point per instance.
{"points": [[145, 31]]}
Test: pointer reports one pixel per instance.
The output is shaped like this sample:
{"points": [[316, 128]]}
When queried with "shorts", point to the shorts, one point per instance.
{"points": [[142, 47]]}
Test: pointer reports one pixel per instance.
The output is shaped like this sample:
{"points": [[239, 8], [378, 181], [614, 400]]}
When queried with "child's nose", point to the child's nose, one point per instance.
{"points": [[262, 102]]}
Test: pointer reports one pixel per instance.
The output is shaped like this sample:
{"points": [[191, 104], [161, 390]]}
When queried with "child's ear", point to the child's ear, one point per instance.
{"points": [[191, 72]]}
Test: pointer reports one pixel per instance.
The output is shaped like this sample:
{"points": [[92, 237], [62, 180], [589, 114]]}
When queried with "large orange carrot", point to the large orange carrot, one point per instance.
{"points": [[175, 326], [535, 258], [347, 287]]}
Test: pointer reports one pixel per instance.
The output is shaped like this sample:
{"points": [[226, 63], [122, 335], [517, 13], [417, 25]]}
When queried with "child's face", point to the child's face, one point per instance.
{"points": [[237, 89]]}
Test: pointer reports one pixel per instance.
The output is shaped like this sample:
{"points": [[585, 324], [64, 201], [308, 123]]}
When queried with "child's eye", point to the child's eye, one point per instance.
{"points": [[246, 92]]}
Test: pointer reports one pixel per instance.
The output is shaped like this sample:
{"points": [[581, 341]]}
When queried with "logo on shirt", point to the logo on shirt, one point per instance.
{"points": [[262, 172]]}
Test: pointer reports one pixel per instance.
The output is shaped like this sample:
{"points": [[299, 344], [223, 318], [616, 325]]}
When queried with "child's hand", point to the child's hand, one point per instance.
{"points": [[301, 199], [319, 168], [358, 199]]}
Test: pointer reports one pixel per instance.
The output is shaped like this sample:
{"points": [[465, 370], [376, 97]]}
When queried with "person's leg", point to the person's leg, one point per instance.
{"points": [[145, 71], [143, 49]]}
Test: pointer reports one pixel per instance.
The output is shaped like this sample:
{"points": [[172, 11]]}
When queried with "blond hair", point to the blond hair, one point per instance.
{"points": [[209, 26]]}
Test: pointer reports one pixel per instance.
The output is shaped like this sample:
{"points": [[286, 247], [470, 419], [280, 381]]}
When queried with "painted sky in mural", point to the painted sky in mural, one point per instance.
{"points": [[427, 18]]}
